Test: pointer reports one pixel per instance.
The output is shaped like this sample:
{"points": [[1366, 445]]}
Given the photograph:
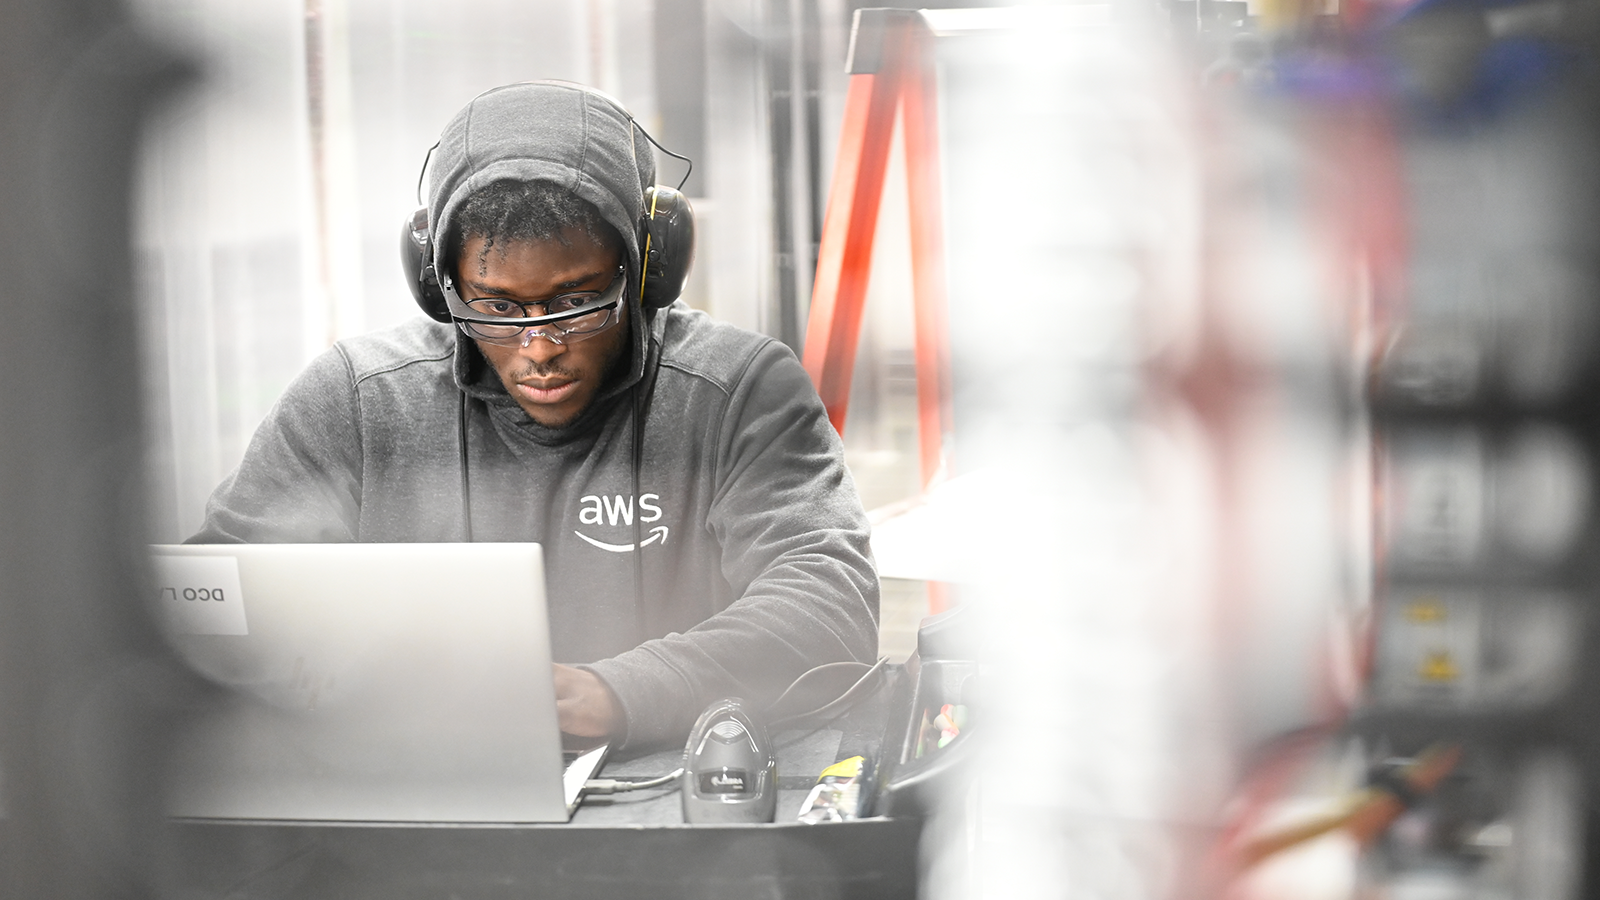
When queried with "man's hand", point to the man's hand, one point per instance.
{"points": [[584, 705]]}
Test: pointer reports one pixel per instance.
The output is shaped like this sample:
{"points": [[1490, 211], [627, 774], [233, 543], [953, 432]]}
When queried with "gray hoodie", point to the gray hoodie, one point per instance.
{"points": [[739, 561]]}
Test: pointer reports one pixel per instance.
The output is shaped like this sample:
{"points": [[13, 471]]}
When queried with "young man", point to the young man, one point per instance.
{"points": [[702, 535]]}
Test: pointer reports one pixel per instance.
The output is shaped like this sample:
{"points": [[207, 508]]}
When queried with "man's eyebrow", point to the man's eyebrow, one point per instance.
{"points": [[486, 288]]}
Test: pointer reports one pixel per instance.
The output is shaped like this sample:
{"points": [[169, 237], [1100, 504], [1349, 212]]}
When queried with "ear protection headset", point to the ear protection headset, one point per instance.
{"points": [[666, 241]]}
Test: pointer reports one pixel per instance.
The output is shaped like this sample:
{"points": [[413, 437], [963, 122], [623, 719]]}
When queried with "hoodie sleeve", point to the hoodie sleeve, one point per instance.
{"points": [[793, 534], [300, 479]]}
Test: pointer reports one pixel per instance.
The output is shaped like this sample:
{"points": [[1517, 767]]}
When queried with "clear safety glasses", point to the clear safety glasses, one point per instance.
{"points": [[566, 319]]}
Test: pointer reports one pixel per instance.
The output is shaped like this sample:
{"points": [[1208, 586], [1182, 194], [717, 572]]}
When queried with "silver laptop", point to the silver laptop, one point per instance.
{"points": [[369, 683]]}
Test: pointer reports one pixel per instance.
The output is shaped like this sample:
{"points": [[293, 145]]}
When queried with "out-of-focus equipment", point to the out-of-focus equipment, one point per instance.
{"points": [[929, 752], [891, 70], [892, 75], [1481, 399], [91, 697], [1468, 200], [1369, 811], [729, 771]]}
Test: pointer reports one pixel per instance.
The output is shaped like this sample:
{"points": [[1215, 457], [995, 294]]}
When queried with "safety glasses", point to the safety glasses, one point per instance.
{"points": [[565, 319]]}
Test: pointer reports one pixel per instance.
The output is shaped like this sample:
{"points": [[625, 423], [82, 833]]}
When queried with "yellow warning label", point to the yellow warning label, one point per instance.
{"points": [[1438, 666], [1429, 609], [844, 768]]}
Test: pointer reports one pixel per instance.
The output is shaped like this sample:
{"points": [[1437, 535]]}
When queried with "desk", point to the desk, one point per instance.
{"points": [[626, 845]]}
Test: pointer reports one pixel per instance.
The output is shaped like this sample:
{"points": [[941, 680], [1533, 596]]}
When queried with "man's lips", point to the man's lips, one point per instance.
{"points": [[551, 391]]}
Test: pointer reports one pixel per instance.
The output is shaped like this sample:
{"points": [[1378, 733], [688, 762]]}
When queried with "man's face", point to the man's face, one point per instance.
{"points": [[552, 382]]}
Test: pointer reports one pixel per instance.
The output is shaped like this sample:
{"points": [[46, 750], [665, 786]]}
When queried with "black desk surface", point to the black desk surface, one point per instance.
{"points": [[624, 845]]}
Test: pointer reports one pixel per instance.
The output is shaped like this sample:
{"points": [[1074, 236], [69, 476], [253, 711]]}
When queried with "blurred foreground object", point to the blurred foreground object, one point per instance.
{"points": [[1286, 418], [86, 692], [1082, 532], [1463, 136], [1368, 813]]}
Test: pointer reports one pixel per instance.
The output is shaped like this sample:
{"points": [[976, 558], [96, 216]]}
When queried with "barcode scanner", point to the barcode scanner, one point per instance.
{"points": [[729, 772]]}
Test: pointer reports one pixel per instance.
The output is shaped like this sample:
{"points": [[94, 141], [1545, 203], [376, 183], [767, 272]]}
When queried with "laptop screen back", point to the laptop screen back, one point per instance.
{"points": [[368, 682]]}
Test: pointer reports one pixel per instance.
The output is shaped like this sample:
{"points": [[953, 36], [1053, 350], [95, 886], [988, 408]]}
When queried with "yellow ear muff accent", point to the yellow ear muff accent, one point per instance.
{"points": [[644, 267]]}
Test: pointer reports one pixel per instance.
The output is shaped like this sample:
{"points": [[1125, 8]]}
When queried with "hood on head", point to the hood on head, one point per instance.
{"points": [[574, 137]]}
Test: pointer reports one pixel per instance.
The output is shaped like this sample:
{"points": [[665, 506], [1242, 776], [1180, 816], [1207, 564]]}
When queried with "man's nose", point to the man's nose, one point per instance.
{"points": [[539, 348]]}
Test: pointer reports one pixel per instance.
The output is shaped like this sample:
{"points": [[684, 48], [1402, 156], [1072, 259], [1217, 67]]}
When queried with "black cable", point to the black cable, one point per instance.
{"points": [[686, 174], [641, 412], [1391, 775], [828, 711], [429, 158], [843, 702], [639, 617], [815, 670], [466, 479]]}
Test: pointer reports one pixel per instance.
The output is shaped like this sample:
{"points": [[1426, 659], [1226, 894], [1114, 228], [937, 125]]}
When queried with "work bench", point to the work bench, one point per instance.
{"points": [[616, 846]]}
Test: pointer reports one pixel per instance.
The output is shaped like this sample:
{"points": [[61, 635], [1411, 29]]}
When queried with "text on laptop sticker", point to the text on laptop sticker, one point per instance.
{"points": [[200, 594]]}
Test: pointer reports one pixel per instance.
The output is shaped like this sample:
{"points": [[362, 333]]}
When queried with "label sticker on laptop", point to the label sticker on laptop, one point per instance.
{"points": [[200, 594]]}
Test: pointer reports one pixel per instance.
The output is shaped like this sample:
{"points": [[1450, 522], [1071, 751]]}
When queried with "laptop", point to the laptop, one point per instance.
{"points": [[398, 683]]}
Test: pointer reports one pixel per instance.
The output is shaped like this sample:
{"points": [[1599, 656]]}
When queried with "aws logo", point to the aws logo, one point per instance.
{"points": [[600, 509]]}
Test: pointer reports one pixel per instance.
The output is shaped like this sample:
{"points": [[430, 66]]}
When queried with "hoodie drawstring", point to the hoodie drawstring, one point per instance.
{"points": [[466, 479], [641, 624]]}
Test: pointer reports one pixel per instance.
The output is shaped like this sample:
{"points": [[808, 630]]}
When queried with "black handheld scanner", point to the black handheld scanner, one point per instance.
{"points": [[729, 772]]}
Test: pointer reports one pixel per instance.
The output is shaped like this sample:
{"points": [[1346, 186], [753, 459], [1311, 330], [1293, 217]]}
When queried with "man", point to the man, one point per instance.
{"points": [[702, 535]]}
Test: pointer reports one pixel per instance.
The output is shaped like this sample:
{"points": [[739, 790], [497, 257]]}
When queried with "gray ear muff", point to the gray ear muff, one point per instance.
{"points": [[416, 260], [666, 237]]}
